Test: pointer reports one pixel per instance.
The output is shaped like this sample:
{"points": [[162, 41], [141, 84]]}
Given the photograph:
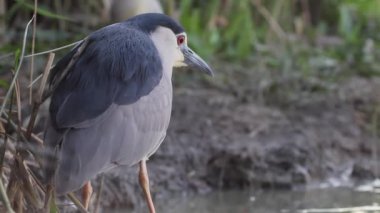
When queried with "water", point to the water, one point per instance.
{"points": [[269, 201], [266, 201]]}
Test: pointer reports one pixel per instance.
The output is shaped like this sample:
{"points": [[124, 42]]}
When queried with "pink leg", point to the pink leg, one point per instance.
{"points": [[144, 183], [86, 194]]}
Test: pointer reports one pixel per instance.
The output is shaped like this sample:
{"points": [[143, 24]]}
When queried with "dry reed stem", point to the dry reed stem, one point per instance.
{"points": [[268, 17], [5, 197], [48, 197], [39, 184], [3, 194], [55, 82], [45, 76], [2, 129], [10, 90], [5, 56], [27, 187], [2, 20], [14, 126], [18, 101], [38, 100], [77, 202], [20, 173], [98, 195], [33, 47], [2, 148], [20, 186], [54, 50]]}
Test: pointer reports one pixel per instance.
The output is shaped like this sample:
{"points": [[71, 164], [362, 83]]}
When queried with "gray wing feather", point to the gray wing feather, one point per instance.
{"points": [[106, 68], [127, 134]]}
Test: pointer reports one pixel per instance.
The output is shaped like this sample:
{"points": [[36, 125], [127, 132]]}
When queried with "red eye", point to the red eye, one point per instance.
{"points": [[180, 39]]}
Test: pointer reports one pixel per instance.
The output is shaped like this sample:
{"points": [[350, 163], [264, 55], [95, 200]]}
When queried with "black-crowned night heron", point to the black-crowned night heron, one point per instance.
{"points": [[112, 100]]}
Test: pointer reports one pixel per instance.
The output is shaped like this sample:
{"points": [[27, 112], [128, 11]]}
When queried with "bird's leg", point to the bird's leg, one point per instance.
{"points": [[86, 194], [144, 182]]}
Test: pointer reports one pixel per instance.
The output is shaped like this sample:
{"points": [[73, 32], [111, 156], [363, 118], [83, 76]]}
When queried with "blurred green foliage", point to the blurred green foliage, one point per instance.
{"points": [[29, 6], [313, 38], [201, 23], [245, 26], [284, 52]]}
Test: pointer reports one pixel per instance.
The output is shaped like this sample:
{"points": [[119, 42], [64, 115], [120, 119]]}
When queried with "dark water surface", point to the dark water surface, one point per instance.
{"points": [[266, 201]]}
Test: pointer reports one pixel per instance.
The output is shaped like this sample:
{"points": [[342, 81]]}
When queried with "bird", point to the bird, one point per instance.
{"points": [[118, 10], [111, 101]]}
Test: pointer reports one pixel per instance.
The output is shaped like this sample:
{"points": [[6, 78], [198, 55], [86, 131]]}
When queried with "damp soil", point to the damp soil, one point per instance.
{"points": [[218, 140]]}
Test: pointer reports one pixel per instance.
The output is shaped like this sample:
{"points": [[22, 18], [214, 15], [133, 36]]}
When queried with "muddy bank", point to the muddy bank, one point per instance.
{"points": [[217, 140]]}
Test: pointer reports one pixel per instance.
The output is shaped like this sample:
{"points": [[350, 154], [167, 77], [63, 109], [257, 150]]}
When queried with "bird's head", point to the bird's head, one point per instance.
{"points": [[188, 57], [170, 40]]}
